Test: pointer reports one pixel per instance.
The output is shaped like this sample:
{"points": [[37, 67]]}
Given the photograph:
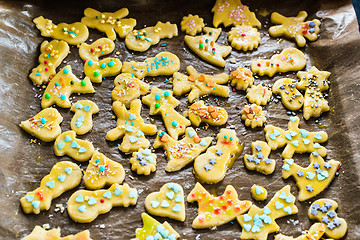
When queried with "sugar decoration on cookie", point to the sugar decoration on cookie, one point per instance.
{"points": [[192, 24], [241, 78], [212, 115], [259, 193], [244, 37], [54, 234], [99, 48], [143, 161], [106, 67], [260, 161], [315, 232], [82, 121], [253, 115], [259, 94], [291, 98]]}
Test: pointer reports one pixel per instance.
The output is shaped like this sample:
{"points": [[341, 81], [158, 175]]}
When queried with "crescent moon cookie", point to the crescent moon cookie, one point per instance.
{"points": [[54, 234], [62, 177], [259, 161], [315, 232], [212, 115], [143, 161], [82, 121], [241, 78], [192, 24], [253, 115], [99, 48], [244, 37]]}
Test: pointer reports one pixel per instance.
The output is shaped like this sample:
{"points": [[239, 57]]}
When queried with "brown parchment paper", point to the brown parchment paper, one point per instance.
{"points": [[22, 165]]}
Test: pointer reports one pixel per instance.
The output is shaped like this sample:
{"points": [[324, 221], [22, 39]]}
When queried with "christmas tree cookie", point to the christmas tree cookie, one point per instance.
{"points": [[253, 115], [99, 48], [192, 24], [259, 161], [143, 161], [39, 233], [212, 115], [82, 121], [315, 232]]}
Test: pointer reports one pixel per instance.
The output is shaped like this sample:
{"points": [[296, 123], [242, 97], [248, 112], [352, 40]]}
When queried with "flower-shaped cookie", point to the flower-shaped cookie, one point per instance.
{"points": [[253, 115], [244, 37], [259, 94], [241, 78], [192, 24]]}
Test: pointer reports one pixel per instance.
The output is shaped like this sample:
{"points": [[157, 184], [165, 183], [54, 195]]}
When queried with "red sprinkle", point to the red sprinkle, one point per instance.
{"points": [[224, 207], [201, 219], [46, 69], [221, 197], [230, 202], [102, 200], [41, 195], [259, 65], [228, 192], [193, 195], [46, 62], [92, 49]]}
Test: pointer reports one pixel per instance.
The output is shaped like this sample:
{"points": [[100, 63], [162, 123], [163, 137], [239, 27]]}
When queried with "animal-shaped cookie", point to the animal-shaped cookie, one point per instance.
{"points": [[168, 202], [143, 161], [290, 59], [212, 115], [199, 84], [130, 127], [253, 115], [141, 40], [192, 24], [82, 121], [258, 223], [205, 46], [106, 67], [295, 27], [211, 166], [259, 94], [62, 177], [54, 234], [63, 84], [109, 23], [99, 48], [127, 88], [259, 193], [323, 210], [184, 151], [73, 34], [290, 96], [162, 102], [244, 37], [164, 63], [313, 179], [45, 125], [295, 140], [216, 211], [260, 161], [51, 55], [67, 144], [315, 232], [84, 206], [241, 78], [154, 230], [102, 171]]}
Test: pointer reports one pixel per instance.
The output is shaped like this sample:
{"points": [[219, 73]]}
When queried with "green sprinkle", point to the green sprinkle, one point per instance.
{"points": [[96, 73], [201, 46], [47, 96], [83, 83], [157, 105]]}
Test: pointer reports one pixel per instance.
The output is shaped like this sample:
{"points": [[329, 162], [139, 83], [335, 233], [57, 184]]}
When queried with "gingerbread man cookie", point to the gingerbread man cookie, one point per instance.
{"points": [[259, 94], [259, 161], [99, 48], [192, 24], [73, 34], [109, 23], [291, 98], [82, 121], [45, 125], [259, 193], [52, 54], [205, 46], [241, 78], [143, 161], [216, 211], [211, 166], [184, 151], [39, 233], [168, 202], [62, 177], [253, 115], [212, 115], [106, 67], [244, 37], [315, 232]]}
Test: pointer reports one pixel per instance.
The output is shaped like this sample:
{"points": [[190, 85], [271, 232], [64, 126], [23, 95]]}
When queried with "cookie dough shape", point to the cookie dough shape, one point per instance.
{"points": [[192, 24], [99, 48], [216, 211], [143, 161], [164, 63], [154, 230], [162, 102], [295, 27], [199, 84], [82, 121], [290, 59], [73, 34], [258, 223], [212, 115], [259, 161], [313, 179], [63, 176], [259, 94], [68, 144], [295, 140], [45, 125], [315, 232], [109, 23], [244, 37], [84, 206], [51, 55], [182, 152], [106, 67], [323, 210], [259, 193], [130, 127], [291, 98], [142, 40], [168, 202], [54, 234], [241, 78], [205, 46], [63, 84], [102, 171], [253, 115]]}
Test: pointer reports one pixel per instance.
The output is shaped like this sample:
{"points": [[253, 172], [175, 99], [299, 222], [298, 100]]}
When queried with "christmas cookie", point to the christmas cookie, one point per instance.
{"points": [[199, 84], [211, 166], [192, 24], [315, 232], [143, 161], [130, 127], [68, 144], [313, 179], [199, 112], [216, 211], [290, 59], [241, 78], [323, 210], [142, 40], [295, 27], [108, 22], [184, 151], [99, 48], [102, 171], [62, 177], [106, 67], [295, 140], [74, 33], [259, 161], [290, 96], [258, 223], [168, 202], [244, 37], [253, 115], [162, 102], [39, 233], [45, 125], [84, 206], [164, 63], [259, 94], [259, 193], [52, 54], [62, 86], [82, 121], [205, 46]]}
